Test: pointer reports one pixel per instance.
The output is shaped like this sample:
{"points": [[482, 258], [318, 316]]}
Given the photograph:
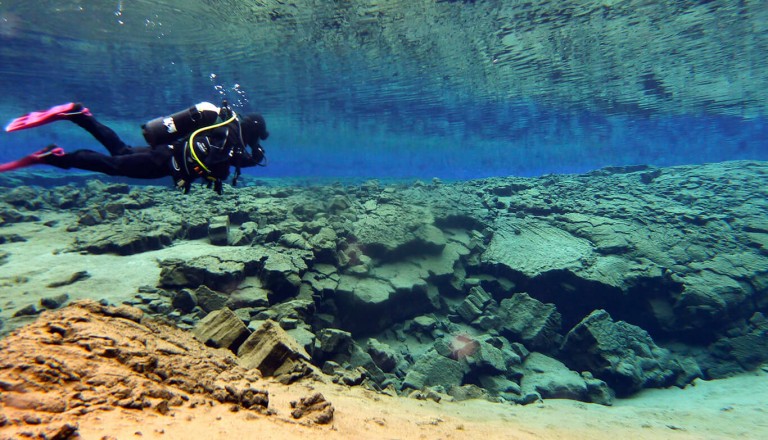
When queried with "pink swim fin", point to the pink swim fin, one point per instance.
{"points": [[36, 119], [33, 159]]}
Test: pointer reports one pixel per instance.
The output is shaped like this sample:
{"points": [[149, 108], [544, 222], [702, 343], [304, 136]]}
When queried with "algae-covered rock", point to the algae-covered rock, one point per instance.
{"points": [[215, 272], [551, 379], [125, 239], [433, 369], [621, 354], [530, 321], [393, 231]]}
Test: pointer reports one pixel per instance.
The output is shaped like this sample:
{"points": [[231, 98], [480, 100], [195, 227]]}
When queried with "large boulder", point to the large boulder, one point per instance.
{"points": [[367, 304], [530, 321], [392, 231], [125, 239], [271, 350], [221, 329], [282, 271], [217, 273], [744, 351], [621, 354], [551, 379], [433, 369]]}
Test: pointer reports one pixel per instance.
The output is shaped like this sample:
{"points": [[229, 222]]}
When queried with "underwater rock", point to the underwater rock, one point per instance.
{"points": [[333, 341], [477, 304], [323, 244], [75, 277], [530, 321], [11, 238], [503, 388], [392, 232], [533, 247], [434, 369], [125, 239], [294, 311], [359, 358], [487, 358], [210, 300], [26, 197], [249, 295], [91, 216], [304, 336], [282, 272], [313, 409], [271, 350], [368, 305], [54, 302], [216, 272], [597, 390], [322, 280], [10, 215], [221, 329], [184, 300], [468, 392], [28, 310], [244, 235], [382, 355], [746, 351], [551, 379], [218, 230], [621, 354], [131, 363]]}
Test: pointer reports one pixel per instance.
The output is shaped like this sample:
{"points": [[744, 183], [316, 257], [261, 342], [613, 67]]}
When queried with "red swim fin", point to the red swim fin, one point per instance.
{"points": [[33, 159], [36, 119]]}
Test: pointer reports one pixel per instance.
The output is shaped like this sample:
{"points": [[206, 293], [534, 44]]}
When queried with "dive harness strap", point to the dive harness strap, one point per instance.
{"points": [[200, 168]]}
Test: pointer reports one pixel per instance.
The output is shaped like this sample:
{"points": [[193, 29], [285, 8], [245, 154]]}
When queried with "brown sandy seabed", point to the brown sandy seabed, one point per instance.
{"points": [[726, 409]]}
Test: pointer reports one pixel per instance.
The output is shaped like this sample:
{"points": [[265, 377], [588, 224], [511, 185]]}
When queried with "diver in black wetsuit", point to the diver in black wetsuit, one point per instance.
{"points": [[203, 141]]}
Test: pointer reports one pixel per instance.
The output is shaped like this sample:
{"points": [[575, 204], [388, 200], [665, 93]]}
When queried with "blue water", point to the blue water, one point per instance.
{"points": [[419, 88]]}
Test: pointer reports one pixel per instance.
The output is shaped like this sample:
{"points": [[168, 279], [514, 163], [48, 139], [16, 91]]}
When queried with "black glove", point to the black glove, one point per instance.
{"points": [[183, 185]]}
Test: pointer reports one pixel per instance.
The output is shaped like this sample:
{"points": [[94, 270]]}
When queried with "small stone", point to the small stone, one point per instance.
{"points": [[54, 302], [184, 300], [29, 310]]}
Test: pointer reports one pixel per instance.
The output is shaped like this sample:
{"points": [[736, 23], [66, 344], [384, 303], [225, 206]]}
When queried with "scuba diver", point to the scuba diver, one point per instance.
{"points": [[203, 141]]}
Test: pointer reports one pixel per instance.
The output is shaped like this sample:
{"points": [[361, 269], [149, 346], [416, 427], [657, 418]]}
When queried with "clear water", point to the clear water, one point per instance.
{"points": [[408, 88]]}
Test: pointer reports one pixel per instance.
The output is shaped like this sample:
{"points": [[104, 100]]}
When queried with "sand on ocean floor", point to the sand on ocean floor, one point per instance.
{"points": [[712, 410], [44, 259]]}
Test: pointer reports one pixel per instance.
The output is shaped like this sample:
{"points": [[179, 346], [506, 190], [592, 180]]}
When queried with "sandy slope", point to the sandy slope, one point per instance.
{"points": [[43, 259]]}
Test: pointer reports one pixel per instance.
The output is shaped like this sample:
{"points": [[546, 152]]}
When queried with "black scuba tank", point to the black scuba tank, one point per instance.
{"points": [[169, 129]]}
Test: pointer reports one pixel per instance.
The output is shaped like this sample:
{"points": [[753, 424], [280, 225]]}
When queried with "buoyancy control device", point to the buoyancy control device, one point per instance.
{"points": [[169, 129]]}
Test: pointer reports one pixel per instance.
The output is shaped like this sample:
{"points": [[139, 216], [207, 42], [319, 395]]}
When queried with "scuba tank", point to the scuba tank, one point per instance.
{"points": [[169, 129]]}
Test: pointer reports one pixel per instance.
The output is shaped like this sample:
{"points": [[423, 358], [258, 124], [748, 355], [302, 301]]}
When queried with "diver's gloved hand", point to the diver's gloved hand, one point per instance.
{"points": [[183, 185]]}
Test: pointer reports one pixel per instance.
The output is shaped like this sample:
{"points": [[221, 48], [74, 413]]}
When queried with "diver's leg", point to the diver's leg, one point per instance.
{"points": [[102, 133], [142, 165]]}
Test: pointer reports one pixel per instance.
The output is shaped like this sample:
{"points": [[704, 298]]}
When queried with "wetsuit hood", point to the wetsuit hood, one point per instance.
{"points": [[254, 128]]}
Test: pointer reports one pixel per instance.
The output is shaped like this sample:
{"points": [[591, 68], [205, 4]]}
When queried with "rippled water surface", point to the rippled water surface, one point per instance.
{"points": [[423, 88]]}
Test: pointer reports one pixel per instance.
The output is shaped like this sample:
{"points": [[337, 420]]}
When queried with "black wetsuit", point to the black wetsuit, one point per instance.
{"points": [[156, 161], [138, 162]]}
